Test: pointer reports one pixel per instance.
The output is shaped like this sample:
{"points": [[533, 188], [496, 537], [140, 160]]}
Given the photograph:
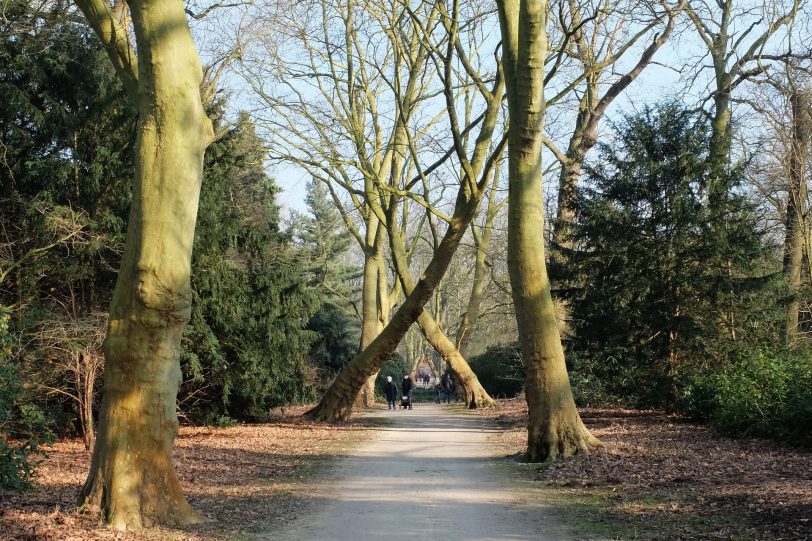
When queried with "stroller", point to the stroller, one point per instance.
{"points": [[405, 402]]}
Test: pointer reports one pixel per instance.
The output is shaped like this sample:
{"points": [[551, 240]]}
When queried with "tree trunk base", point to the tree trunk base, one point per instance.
{"points": [[557, 440], [477, 397], [125, 507]]}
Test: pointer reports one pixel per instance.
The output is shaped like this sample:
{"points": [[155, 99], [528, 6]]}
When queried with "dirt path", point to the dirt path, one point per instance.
{"points": [[430, 474]]}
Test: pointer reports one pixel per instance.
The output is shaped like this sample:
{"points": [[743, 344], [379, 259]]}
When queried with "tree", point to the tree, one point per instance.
{"points": [[325, 241], [245, 349], [554, 427], [361, 120], [795, 224], [780, 175], [132, 477], [737, 37], [648, 233], [599, 38], [482, 235], [66, 166]]}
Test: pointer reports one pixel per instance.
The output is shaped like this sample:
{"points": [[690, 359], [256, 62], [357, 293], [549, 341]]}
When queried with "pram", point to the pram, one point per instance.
{"points": [[405, 402]]}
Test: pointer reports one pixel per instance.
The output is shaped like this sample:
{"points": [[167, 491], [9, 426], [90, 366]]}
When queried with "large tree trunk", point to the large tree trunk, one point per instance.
{"points": [[554, 427], [796, 200], [374, 306], [132, 476], [583, 138], [720, 145]]}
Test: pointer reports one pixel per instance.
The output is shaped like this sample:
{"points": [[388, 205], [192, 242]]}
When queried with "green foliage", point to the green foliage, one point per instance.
{"points": [[767, 393], [66, 129], [661, 281], [325, 242], [245, 349], [336, 340], [500, 370], [19, 420]]}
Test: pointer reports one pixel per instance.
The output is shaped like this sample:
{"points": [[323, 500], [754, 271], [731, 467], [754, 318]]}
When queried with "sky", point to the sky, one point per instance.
{"points": [[658, 82]]}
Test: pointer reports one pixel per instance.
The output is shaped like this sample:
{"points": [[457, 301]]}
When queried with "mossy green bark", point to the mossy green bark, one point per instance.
{"points": [[132, 477], [554, 427]]}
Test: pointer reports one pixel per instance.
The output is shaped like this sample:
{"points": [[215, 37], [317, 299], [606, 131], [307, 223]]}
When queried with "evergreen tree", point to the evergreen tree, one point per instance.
{"points": [[246, 345], [66, 131], [326, 243], [667, 280]]}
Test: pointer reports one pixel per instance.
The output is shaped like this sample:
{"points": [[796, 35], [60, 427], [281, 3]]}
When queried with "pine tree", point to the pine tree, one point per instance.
{"points": [[326, 243], [247, 343], [663, 274]]}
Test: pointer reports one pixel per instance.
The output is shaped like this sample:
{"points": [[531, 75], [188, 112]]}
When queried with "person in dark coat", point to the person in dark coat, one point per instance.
{"points": [[407, 389], [391, 392], [448, 387]]}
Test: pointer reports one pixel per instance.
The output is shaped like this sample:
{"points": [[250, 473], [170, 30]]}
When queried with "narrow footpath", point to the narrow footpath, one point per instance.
{"points": [[429, 474]]}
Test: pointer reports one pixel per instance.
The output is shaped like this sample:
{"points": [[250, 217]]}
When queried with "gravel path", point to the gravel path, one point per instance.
{"points": [[430, 474]]}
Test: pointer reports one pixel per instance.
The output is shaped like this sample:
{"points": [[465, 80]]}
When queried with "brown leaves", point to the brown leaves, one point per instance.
{"points": [[678, 478], [243, 479]]}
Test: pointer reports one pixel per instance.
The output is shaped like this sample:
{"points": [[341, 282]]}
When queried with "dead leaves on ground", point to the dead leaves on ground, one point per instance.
{"points": [[659, 477], [242, 479], [669, 479]]}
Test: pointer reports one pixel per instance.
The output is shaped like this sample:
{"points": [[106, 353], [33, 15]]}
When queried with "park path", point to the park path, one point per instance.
{"points": [[431, 473]]}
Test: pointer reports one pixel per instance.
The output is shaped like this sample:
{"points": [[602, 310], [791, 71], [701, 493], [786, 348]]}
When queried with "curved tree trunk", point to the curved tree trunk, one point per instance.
{"points": [[132, 476], [475, 396], [554, 427]]}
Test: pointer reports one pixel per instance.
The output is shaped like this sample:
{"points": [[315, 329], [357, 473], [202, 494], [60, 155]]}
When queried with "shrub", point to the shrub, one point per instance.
{"points": [[767, 393], [500, 370], [15, 468]]}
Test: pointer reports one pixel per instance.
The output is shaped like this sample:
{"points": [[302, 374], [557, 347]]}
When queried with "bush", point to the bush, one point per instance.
{"points": [[15, 467], [768, 393], [500, 370]]}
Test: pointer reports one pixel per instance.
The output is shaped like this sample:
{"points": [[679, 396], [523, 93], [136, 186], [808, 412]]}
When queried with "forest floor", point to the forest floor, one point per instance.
{"points": [[657, 478], [241, 478]]}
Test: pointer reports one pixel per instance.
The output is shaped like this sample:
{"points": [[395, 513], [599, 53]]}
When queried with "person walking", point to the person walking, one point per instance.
{"points": [[391, 392], [447, 385], [407, 389]]}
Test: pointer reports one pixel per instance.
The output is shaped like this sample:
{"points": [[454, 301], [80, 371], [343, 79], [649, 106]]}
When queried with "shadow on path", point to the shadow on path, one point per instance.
{"points": [[428, 474]]}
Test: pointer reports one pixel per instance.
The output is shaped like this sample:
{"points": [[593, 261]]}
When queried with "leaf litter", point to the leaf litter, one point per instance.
{"points": [[242, 479], [659, 476]]}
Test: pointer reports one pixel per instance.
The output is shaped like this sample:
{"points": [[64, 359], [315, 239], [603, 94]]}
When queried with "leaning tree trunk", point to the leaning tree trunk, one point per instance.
{"points": [[475, 395], [337, 402], [554, 427], [132, 476]]}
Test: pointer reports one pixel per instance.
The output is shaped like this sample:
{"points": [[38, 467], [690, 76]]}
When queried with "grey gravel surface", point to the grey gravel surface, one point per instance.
{"points": [[428, 474]]}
